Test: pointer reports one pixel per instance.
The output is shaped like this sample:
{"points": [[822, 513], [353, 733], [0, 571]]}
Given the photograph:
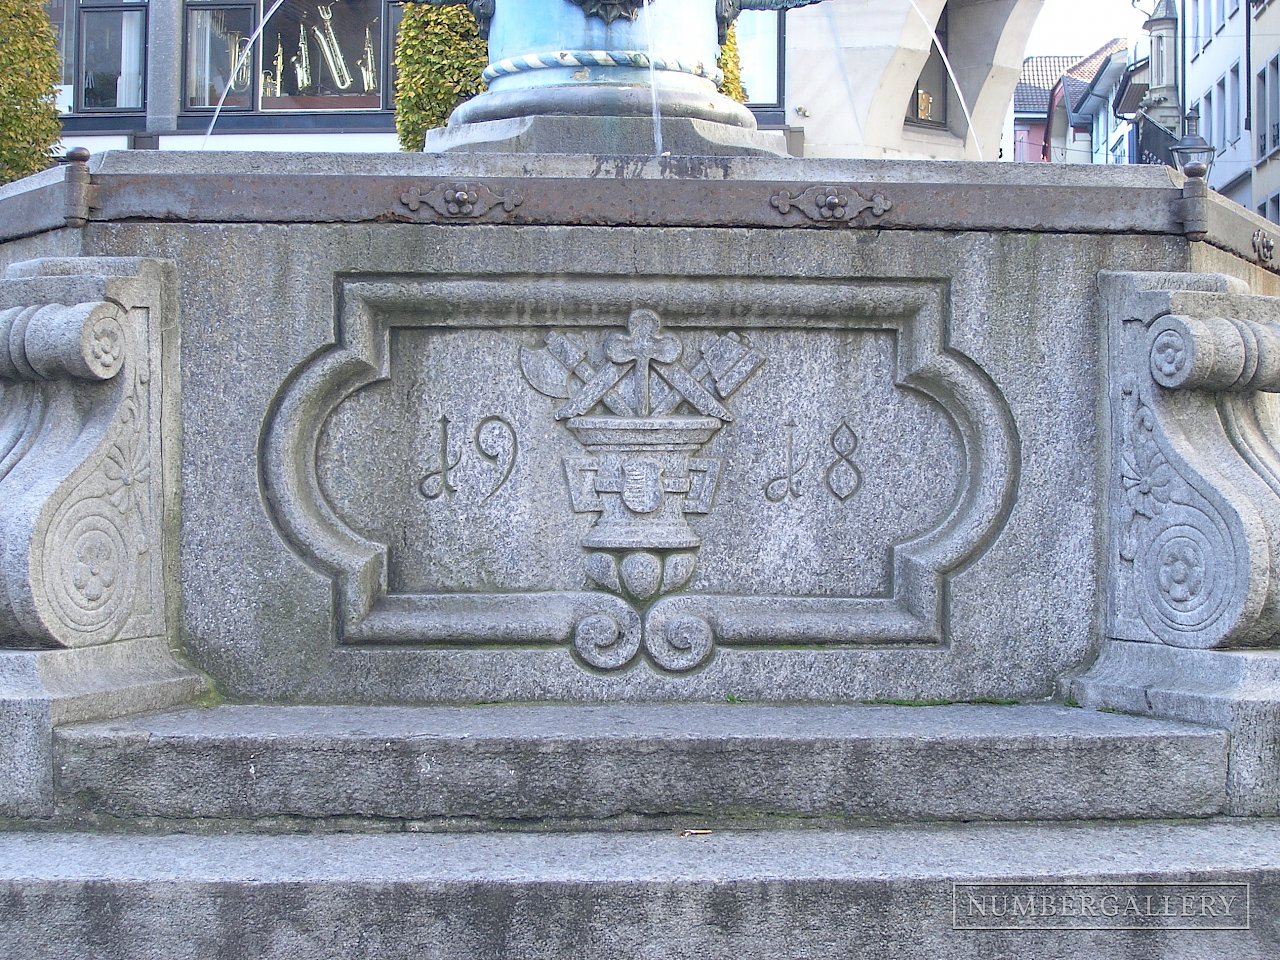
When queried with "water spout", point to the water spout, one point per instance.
{"points": [[247, 52], [653, 81], [955, 84]]}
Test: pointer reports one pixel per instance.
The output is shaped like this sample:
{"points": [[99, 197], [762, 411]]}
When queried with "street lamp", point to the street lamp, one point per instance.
{"points": [[1193, 154]]}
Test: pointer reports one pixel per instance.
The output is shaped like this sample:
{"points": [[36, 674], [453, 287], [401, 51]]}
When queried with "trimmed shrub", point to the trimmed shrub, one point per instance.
{"points": [[29, 75], [731, 67], [439, 59]]}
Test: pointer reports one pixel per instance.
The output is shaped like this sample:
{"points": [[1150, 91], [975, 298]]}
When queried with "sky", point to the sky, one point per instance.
{"points": [[1077, 27]]}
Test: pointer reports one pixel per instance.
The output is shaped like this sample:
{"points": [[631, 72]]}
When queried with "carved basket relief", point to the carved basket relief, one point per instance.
{"points": [[639, 478]]}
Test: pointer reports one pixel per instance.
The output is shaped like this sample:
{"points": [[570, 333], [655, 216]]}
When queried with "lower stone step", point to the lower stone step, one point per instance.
{"points": [[1193, 891], [570, 763]]}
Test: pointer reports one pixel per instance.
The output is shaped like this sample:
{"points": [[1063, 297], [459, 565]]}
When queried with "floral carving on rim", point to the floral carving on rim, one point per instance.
{"points": [[1147, 477], [611, 10]]}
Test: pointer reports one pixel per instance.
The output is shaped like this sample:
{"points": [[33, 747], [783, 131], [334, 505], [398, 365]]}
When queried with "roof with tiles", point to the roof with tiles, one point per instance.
{"points": [[1039, 74], [1078, 77]]}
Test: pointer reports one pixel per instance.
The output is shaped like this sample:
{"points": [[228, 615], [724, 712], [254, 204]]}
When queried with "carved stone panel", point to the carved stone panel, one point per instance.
{"points": [[639, 473]]}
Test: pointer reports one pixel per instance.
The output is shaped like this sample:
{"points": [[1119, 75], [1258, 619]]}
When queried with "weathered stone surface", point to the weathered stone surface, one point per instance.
{"points": [[943, 352], [633, 191], [1196, 512], [879, 894], [683, 136], [88, 468], [563, 763], [87, 461], [40, 690], [1235, 691]]}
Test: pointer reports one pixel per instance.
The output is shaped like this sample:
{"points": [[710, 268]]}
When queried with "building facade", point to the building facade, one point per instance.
{"points": [[1024, 134], [1265, 119], [1080, 125], [1216, 60], [909, 78]]}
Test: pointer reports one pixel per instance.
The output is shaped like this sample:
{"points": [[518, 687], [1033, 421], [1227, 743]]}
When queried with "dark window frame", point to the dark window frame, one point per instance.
{"points": [[386, 72], [255, 69], [913, 108], [781, 79], [85, 8]]}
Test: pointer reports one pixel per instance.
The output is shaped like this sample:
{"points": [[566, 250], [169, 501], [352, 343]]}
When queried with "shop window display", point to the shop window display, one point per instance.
{"points": [[323, 56], [218, 49], [311, 56]]}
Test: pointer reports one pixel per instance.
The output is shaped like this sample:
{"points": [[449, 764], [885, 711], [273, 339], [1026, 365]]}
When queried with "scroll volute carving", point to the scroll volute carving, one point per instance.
{"points": [[1196, 489], [81, 479]]}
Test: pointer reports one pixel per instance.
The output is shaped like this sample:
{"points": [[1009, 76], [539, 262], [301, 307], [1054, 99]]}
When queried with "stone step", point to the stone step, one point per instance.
{"points": [[716, 763], [888, 893]]}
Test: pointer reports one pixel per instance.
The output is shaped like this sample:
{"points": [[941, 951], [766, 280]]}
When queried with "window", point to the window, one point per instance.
{"points": [[1220, 14], [218, 48], [311, 56], [1156, 60], [1260, 113], [1206, 22], [759, 34], [1273, 105], [103, 50], [1206, 119], [928, 102], [1233, 104], [1195, 27], [1233, 7], [1220, 116]]}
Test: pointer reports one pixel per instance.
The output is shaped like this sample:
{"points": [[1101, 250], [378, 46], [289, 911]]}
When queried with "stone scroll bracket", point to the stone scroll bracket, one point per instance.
{"points": [[1193, 604], [88, 481], [1195, 490]]}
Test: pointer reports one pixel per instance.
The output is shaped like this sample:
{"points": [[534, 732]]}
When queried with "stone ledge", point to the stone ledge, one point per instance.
{"points": [[636, 190], [883, 893], [553, 763]]}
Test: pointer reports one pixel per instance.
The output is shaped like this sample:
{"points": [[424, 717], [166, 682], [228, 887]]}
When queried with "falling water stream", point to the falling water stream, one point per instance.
{"points": [[955, 84], [833, 28], [248, 52], [653, 80]]}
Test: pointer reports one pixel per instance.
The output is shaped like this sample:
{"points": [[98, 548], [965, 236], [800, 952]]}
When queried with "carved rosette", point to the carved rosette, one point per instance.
{"points": [[642, 415], [832, 205]]}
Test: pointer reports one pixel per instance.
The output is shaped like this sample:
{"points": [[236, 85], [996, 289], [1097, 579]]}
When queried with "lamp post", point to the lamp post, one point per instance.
{"points": [[595, 76], [1193, 154]]}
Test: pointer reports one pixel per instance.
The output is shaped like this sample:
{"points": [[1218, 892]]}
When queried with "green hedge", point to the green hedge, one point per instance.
{"points": [[439, 59], [29, 75]]}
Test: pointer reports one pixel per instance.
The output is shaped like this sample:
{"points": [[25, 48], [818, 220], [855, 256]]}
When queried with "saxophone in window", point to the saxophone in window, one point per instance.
{"points": [[368, 66], [302, 61], [331, 51], [273, 83]]}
